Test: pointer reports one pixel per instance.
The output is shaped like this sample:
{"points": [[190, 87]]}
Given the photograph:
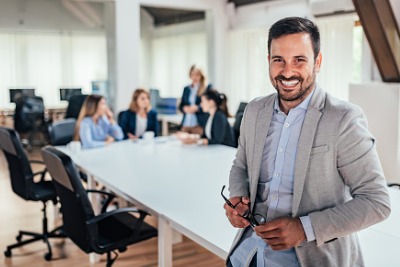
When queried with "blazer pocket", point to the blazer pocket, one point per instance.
{"points": [[319, 149]]}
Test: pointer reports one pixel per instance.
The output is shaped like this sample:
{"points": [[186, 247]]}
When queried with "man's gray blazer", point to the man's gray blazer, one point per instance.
{"points": [[338, 179]]}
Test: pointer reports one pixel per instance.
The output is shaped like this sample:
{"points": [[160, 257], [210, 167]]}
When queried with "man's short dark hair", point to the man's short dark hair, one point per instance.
{"points": [[292, 25]]}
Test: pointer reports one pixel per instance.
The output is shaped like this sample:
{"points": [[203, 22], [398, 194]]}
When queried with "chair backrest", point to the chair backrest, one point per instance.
{"points": [[241, 108], [62, 132], [18, 164], [75, 205], [236, 127], [74, 106], [28, 109]]}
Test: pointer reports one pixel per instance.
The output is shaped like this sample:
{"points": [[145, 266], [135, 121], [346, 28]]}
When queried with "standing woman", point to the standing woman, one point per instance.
{"points": [[139, 118], [217, 129], [193, 116], [96, 126]]}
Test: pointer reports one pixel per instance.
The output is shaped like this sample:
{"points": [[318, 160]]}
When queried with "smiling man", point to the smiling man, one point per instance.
{"points": [[306, 166]]}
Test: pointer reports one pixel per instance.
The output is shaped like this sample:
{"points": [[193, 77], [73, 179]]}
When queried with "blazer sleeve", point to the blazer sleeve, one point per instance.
{"points": [[153, 122], [360, 169], [184, 99], [218, 129], [238, 176], [123, 122]]}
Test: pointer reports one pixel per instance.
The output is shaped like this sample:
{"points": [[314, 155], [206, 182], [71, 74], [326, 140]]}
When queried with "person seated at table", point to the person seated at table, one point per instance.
{"points": [[139, 118], [193, 115], [217, 129], [96, 126]]}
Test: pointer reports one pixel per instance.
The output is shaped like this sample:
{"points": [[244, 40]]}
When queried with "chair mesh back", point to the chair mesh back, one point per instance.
{"points": [[75, 205], [29, 111], [62, 132], [21, 174]]}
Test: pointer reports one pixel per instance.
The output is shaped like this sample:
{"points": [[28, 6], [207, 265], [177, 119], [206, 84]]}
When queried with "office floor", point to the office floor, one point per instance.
{"points": [[17, 214]]}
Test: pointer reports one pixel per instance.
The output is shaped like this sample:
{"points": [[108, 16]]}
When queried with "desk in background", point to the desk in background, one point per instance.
{"points": [[158, 177]]}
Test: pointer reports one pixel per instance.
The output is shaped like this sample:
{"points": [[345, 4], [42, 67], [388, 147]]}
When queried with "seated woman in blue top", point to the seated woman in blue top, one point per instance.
{"points": [[193, 115], [96, 126], [139, 118], [217, 129]]}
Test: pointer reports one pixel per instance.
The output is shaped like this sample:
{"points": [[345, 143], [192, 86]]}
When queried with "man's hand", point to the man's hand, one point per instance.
{"points": [[232, 214], [282, 233]]}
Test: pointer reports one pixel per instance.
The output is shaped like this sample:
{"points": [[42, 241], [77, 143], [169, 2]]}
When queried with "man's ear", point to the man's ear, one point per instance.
{"points": [[318, 62]]}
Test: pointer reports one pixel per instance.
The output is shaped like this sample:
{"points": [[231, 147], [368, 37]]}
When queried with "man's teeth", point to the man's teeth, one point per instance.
{"points": [[290, 83]]}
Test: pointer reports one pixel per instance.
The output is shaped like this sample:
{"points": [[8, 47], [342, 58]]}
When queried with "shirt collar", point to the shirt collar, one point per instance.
{"points": [[303, 105]]}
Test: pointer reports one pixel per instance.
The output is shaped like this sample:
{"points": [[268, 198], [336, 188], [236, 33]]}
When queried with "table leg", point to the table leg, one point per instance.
{"points": [[94, 199], [164, 243], [164, 126]]}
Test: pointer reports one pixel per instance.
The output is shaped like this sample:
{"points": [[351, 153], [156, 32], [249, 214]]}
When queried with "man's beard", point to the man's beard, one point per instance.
{"points": [[304, 88]]}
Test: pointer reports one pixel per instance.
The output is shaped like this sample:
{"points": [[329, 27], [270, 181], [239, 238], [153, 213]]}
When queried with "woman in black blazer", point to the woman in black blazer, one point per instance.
{"points": [[139, 118], [193, 115], [216, 129]]}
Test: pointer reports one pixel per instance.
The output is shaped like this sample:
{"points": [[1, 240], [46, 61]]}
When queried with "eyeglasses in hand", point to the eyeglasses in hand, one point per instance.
{"points": [[243, 211]]}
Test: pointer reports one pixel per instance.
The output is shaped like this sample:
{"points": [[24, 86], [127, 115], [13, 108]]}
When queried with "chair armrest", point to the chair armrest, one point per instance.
{"points": [[103, 216], [394, 185], [42, 173], [37, 162], [110, 197]]}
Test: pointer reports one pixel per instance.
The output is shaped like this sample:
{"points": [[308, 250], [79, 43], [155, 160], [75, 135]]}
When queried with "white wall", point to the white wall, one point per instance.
{"points": [[381, 104]]}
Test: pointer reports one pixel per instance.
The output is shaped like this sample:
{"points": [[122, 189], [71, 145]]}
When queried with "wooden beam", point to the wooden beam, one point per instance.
{"points": [[382, 31]]}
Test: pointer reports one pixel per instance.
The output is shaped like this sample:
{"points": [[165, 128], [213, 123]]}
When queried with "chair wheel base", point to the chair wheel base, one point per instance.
{"points": [[7, 253], [19, 238], [48, 256]]}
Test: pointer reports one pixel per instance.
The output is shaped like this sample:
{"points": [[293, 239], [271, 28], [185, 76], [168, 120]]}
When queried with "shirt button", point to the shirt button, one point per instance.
{"points": [[276, 174], [280, 149], [287, 124], [274, 196]]}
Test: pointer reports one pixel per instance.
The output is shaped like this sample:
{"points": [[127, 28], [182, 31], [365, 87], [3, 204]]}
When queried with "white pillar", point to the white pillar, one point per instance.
{"points": [[381, 104], [109, 18], [127, 51]]}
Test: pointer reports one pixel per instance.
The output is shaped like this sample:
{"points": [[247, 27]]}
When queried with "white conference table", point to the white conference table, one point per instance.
{"points": [[181, 184]]}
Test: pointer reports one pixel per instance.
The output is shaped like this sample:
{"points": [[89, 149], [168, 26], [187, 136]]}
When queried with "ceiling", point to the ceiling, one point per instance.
{"points": [[247, 2], [166, 16]]}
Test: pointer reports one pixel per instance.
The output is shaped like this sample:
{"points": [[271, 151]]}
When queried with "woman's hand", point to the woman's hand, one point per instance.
{"points": [[110, 115], [109, 140], [132, 137]]}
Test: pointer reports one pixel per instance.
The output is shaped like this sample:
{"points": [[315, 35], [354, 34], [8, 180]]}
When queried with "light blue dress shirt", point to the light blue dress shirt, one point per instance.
{"points": [[94, 135], [191, 118], [275, 188]]}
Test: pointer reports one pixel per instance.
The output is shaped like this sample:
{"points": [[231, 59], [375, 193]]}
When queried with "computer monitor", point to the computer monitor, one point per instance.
{"points": [[16, 92], [66, 93]]}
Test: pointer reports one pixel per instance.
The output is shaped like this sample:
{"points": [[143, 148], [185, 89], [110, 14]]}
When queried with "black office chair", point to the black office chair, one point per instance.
{"points": [[241, 108], [62, 132], [104, 233], [23, 185], [394, 185], [236, 127], [74, 106], [29, 117]]}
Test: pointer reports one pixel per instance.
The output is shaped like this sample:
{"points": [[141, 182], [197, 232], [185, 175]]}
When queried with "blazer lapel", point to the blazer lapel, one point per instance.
{"points": [[261, 130], [305, 144]]}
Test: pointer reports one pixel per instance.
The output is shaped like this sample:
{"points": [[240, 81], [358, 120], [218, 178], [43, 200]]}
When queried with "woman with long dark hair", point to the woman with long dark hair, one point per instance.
{"points": [[216, 129]]}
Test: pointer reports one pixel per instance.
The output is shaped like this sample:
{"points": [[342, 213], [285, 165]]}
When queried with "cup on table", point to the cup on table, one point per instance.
{"points": [[148, 136], [74, 146]]}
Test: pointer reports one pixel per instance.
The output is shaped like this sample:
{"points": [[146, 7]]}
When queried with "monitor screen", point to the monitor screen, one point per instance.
{"points": [[17, 92], [66, 93]]}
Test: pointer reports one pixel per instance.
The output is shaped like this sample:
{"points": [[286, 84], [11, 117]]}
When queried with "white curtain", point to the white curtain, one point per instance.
{"points": [[49, 61], [337, 54], [246, 74], [171, 59]]}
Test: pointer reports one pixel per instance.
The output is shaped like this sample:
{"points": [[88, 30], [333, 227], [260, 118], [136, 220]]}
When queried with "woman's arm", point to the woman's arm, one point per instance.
{"points": [[86, 137], [218, 129]]}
